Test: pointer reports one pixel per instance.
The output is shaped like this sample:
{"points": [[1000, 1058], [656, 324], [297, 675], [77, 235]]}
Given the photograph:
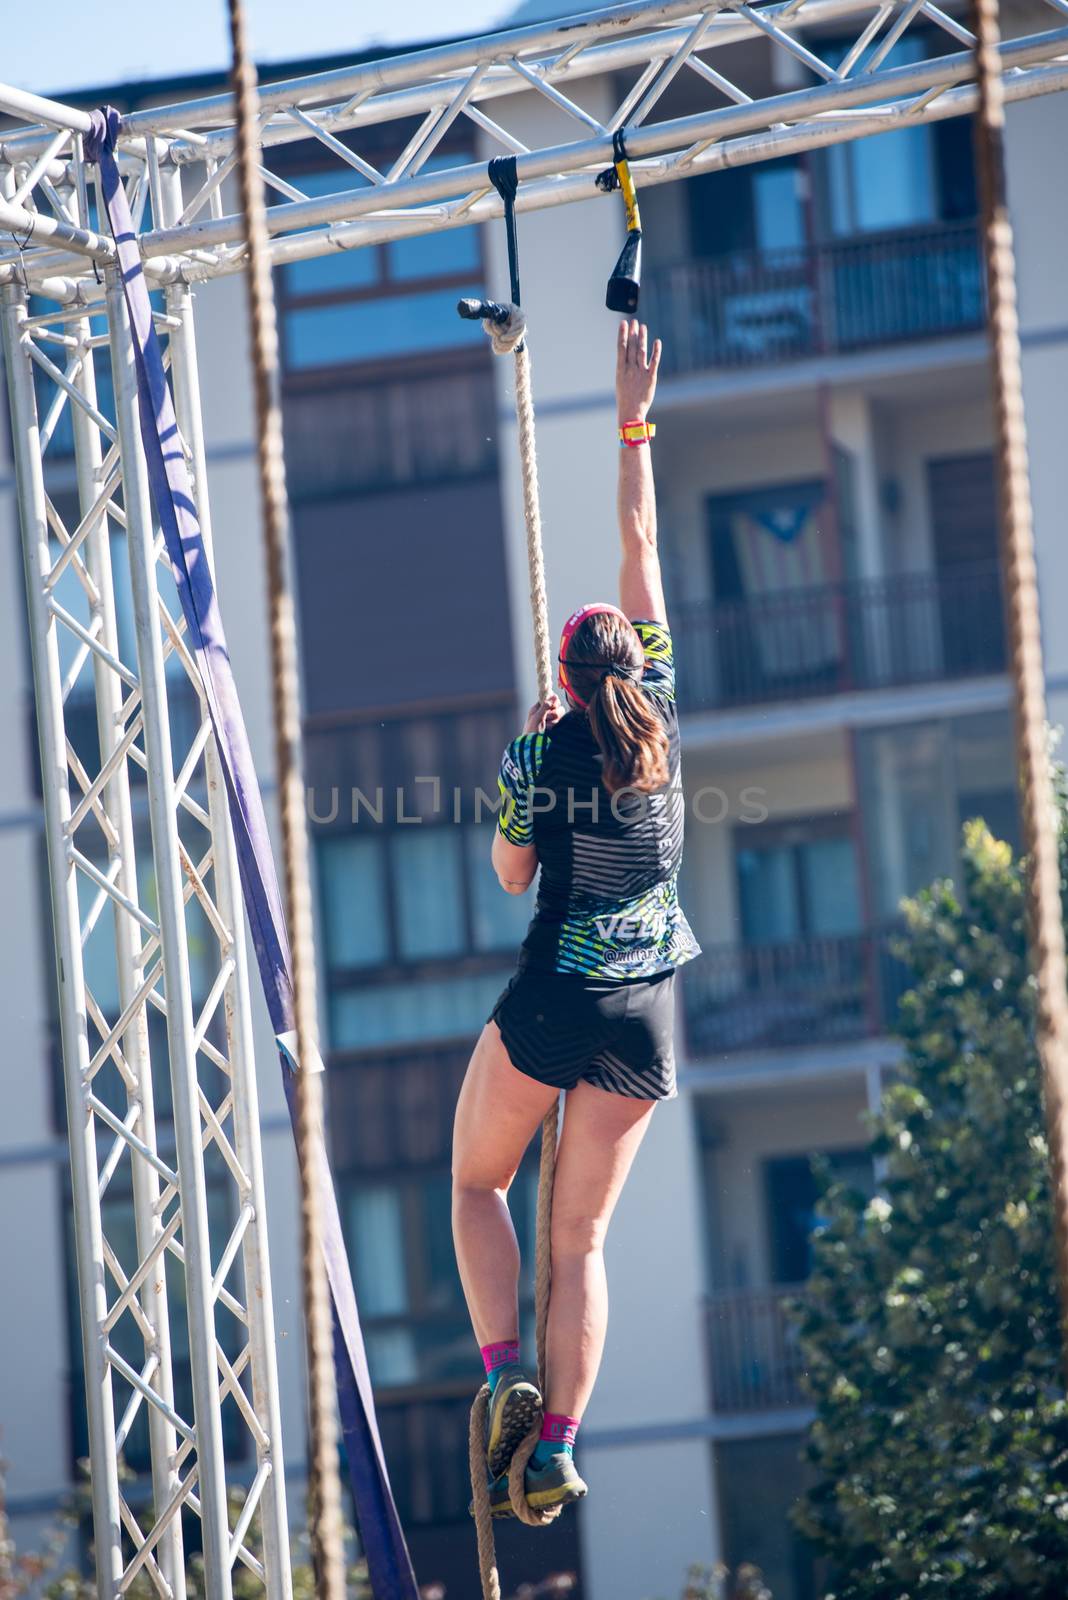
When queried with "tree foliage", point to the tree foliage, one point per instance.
{"points": [[931, 1334]]}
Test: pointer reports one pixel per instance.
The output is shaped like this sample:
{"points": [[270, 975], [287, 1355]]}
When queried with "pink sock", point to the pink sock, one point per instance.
{"points": [[500, 1354], [557, 1429]]}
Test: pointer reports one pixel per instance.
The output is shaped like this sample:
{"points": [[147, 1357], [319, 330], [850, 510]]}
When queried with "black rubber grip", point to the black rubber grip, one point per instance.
{"points": [[483, 310]]}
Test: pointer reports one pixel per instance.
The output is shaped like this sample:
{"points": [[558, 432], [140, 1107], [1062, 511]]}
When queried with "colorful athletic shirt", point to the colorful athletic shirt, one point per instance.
{"points": [[607, 903]]}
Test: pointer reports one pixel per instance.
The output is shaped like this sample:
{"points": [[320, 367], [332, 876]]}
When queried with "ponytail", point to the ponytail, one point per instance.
{"points": [[629, 735]]}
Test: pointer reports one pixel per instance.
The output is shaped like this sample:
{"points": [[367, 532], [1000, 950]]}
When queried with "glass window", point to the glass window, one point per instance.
{"points": [[887, 181], [442, 1281], [434, 255], [401, 1013], [778, 214], [369, 330], [376, 1244], [498, 920], [352, 887], [767, 885], [428, 883], [829, 881], [343, 269]]}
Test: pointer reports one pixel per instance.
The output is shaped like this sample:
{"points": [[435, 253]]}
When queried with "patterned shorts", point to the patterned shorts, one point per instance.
{"points": [[560, 1028]]}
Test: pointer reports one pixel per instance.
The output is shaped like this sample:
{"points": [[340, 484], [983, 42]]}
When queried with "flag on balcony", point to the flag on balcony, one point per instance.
{"points": [[782, 555]]}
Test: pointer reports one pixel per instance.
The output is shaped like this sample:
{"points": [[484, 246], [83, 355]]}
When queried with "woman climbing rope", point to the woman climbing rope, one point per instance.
{"points": [[591, 795]]}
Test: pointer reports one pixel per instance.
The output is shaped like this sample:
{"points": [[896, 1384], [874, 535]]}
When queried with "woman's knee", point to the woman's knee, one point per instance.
{"points": [[472, 1177], [577, 1233]]}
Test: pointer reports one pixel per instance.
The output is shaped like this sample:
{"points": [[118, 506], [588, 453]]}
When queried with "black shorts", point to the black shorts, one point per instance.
{"points": [[560, 1027]]}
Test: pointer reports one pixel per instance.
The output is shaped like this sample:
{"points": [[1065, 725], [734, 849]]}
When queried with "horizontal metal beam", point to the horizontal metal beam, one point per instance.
{"points": [[672, 135]]}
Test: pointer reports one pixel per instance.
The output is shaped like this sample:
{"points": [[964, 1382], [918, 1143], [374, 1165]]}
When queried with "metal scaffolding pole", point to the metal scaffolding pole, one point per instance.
{"points": [[116, 807], [170, 905], [237, 1000], [70, 975]]}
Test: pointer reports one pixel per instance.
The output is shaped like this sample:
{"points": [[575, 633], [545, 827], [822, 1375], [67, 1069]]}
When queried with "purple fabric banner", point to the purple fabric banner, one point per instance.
{"points": [[388, 1561]]}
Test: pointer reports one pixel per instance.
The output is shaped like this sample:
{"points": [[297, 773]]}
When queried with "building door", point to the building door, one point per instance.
{"points": [[792, 1197], [962, 496]]}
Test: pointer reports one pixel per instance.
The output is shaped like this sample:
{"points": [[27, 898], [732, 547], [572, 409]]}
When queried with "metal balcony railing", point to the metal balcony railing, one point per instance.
{"points": [[799, 992], [754, 1354], [759, 307], [872, 633]]}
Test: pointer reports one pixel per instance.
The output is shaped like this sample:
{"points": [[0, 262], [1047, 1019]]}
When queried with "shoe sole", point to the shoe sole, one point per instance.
{"points": [[566, 1495], [516, 1415]]}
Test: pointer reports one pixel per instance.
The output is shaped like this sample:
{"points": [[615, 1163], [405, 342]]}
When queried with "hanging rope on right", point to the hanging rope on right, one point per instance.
{"points": [[1046, 926], [506, 327], [624, 286]]}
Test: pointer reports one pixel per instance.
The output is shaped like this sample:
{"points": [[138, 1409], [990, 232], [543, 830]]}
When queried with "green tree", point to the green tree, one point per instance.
{"points": [[931, 1334]]}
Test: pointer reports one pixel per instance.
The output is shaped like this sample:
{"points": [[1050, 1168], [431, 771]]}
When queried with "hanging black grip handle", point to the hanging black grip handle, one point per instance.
{"points": [[483, 310]]}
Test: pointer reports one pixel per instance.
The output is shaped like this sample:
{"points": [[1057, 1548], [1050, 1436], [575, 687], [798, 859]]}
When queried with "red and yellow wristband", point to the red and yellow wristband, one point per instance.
{"points": [[637, 432]]}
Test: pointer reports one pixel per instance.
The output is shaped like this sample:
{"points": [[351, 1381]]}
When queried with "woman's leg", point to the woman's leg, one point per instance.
{"points": [[601, 1135], [497, 1114]]}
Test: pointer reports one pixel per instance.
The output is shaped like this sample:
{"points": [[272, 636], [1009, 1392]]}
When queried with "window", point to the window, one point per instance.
{"points": [[792, 1190], [377, 301], [498, 920], [797, 881], [428, 874], [415, 895], [453, 1007], [883, 182], [352, 886], [399, 1239]]}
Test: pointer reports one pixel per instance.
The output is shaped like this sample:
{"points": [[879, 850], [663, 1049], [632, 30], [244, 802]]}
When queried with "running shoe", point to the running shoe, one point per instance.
{"points": [[557, 1483], [515, 1406]]}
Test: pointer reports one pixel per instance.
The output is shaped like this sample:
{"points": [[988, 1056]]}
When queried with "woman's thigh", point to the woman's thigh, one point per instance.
{"points": [[600, 1138], [497, 1115]]}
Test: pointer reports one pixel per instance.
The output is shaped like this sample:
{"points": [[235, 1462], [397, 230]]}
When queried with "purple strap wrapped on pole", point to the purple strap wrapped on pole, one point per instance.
{"points": [[389, 1564]]}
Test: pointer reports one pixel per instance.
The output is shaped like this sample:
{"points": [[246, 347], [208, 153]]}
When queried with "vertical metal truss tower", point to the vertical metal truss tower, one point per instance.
{"points": [[140, 1211], [140, 853]]}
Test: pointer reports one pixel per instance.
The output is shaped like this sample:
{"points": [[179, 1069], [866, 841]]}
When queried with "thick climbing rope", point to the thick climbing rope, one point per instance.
{"points": [[324, 1488], [1046, 925], [510, 336]]}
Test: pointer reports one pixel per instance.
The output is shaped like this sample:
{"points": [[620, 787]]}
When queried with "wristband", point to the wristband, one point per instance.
{"points": [[637, 432]]}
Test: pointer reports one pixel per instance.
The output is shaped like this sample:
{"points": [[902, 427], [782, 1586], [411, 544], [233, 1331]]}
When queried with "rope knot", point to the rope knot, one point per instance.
{"points": [[505, 336]]}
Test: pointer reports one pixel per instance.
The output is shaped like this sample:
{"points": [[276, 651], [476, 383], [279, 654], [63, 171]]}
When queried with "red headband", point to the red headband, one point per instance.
{"points": [[571, 627]]}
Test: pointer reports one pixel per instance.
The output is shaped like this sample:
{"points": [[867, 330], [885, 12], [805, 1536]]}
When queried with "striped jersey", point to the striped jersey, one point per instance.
{"points": [[607, 904]]}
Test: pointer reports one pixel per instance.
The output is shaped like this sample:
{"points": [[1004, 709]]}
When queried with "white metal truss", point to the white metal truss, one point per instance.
{"points": [[141, 857], [642, 48]]}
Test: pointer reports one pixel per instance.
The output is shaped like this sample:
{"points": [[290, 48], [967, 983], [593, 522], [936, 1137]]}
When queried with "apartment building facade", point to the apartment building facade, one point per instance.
{"points": [[824, 475]]}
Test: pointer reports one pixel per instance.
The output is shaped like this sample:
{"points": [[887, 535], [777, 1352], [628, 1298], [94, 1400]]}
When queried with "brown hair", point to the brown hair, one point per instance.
{"points": [[629, 734]]}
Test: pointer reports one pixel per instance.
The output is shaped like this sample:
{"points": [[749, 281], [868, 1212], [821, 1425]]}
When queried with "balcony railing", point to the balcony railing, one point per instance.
{"points": [[758, 307], [873, 633], [754, 1354], [799, 992]]}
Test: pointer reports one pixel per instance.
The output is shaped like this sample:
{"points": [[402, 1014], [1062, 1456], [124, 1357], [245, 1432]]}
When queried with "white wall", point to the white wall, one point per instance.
{"points": [[752, 1130]]}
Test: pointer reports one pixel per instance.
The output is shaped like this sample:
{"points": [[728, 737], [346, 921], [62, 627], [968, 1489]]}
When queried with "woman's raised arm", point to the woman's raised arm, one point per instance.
{"points": [[641, 589]]}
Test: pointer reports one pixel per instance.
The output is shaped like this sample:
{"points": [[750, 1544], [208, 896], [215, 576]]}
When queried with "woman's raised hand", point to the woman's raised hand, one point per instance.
{"points": [[636, 371]]}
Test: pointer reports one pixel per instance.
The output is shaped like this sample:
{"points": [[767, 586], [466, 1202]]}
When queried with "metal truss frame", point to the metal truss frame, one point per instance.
{"points": [[641, 48], [99, 863], [175, 162]]}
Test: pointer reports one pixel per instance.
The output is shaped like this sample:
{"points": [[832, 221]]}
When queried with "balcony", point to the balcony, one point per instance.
{"points": [[760, 308], [817, 990], [872, 633], [754, 1355]]}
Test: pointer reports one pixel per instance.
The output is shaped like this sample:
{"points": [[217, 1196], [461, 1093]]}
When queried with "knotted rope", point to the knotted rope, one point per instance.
{"points": [[324, 1487], [510, 336], [1046, 925]]}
